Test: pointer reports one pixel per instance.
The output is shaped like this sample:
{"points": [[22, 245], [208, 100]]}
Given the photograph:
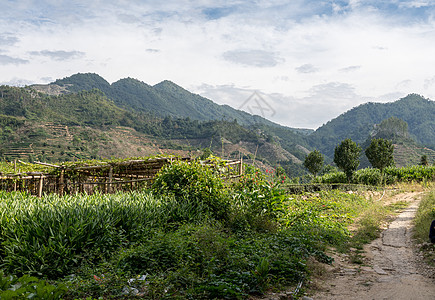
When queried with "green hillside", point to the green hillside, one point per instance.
{"points": [[359, 122], [84, 116], [163, 99], [406, 150], [88, 124]]}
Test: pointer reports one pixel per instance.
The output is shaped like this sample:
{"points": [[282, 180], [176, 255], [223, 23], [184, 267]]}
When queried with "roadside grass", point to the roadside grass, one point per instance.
{"points": [[424, 216], [372, 219]]}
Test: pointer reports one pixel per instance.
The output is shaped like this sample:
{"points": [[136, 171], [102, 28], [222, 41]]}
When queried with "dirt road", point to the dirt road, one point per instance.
{"points": [[391, 269]]}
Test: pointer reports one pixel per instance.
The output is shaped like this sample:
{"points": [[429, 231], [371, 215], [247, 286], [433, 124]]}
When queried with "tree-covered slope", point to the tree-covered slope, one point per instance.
{"points": [[88, 124], [359, 122], [163, 99]]}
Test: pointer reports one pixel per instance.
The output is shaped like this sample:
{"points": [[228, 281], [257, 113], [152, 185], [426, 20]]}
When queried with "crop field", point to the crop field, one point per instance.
{"points": [[191, 235]]}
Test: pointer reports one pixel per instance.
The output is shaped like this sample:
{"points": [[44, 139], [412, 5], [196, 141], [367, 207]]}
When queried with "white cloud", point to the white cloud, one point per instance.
{"points": [[350, 69], [7, 40], [307, 68], [256, 58], [59, 55], [321, 57], [9, 60]]}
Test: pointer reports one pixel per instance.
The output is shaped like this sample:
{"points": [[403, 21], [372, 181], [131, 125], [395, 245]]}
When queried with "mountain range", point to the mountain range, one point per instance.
{"points": [[84, 116]]}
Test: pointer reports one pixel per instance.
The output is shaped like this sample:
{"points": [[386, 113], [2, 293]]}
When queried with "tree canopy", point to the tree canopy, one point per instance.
{"points": [[346, 157], [380, 153], [314, 162]]}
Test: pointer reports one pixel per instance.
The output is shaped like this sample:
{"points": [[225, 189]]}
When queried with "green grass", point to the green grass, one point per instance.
{"points": [[246, 238], [424, 216]]}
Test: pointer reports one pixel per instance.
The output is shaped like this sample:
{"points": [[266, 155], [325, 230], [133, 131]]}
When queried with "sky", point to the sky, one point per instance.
{"points": [[299, 63]]}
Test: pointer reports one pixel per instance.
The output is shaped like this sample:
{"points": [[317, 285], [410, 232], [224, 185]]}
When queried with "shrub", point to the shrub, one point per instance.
{"points": [[27, 287], [412, 173], [334, 177], [196, 184], [368, 176], [254, 200]]}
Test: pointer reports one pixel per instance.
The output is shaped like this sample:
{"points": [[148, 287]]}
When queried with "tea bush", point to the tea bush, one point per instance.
{"points": [[333, 177]]}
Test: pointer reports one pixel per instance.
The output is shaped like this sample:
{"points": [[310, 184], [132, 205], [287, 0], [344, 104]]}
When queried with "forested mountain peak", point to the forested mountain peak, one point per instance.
{"points": [[83, 81], [414, 97], [167, 84], [163, 99], [131, 81]]}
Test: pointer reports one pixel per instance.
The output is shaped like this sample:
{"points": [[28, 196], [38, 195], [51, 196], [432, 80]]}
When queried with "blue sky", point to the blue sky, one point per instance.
{"points": [[309, 60]]}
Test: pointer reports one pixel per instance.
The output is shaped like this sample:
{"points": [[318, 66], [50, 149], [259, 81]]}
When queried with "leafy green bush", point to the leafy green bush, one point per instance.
{"points": [[412, 173], [333, 177], [27, 287], [391, 175], [204, 262], [254, 198], [368, 176], [195, 184]]}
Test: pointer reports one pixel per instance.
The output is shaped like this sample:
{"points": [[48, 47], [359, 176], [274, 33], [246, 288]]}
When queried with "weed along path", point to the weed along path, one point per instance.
{"points": [[390, 269]]}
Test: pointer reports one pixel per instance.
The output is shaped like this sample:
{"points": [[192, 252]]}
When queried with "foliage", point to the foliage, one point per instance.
{"points": [[54, 234], [254, 199], [368, 176], [346, 157], [27, 287], [391, 175], [198, 238], [163, 99], [196, 184], [423, 219], [424, 216], [392, 129], [380, 153], [411, 173], [206, 153], [314, 162], [323, 216]]}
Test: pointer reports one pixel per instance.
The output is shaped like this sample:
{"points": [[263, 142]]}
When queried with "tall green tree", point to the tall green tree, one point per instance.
{"points": [[346, 157], [380, 153], [314, 162]]}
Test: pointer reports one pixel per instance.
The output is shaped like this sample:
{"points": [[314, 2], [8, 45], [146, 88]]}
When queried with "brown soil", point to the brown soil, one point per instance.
{"points": [[391, 269]]}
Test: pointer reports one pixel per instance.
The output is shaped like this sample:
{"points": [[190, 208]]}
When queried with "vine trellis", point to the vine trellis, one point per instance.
{"points": [[103, 177]]}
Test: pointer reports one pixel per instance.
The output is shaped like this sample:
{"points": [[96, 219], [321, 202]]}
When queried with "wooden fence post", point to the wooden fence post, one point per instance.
{"points": [[241, 167], [41, 181], [61, 182], [109, 189]]}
